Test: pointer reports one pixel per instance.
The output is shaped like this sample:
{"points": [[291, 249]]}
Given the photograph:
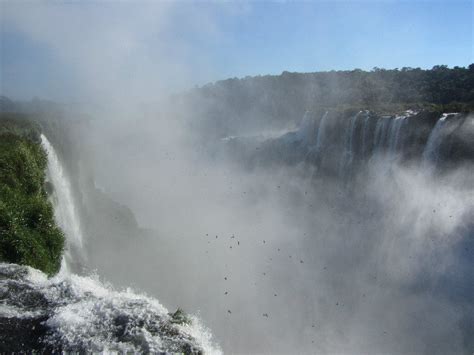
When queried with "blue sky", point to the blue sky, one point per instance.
{"points": [[74, 51]]}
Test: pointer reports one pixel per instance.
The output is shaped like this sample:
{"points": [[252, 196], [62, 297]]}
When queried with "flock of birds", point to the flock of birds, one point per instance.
{"points": [[266, 315]]}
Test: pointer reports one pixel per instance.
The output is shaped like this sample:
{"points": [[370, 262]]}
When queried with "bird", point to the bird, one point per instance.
{"points": [[228, 311], [225, 278], [225, 293], [265, 315]]}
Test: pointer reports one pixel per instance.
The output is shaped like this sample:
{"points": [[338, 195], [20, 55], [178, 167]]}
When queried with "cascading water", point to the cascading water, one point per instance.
{"points": [[401, 138], [365, 133], [64, 207], [379, 127], [305, 133], [431, 152], [394, 134], [71, 313], [381, 133], [340, 147], [348, 154], [321, 136], [314, 150]]}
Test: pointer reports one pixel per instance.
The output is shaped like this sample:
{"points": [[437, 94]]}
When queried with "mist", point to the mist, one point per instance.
{"points": [[273, 258], [302, 265]]}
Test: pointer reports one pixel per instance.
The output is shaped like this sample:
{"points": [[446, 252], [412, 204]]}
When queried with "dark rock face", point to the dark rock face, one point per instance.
{"points": [[78, 314], [22, 335]]}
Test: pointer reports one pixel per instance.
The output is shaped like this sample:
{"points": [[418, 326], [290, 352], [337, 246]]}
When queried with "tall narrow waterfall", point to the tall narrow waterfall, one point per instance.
{"points": [[321, 136], [64, 208], [315, 150], [364, 133], [348, 153], [394, 137], [381, 133], [431, 152]]}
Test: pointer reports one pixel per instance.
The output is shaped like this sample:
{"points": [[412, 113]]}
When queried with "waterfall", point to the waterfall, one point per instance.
{"points": [[391, 134], [380, 133], [307, 127], [387, 135], [394, 136], [364, 133], [314, 150], [431, 151], [65, 212], [348, 154], [401, 138], [321, 136]]}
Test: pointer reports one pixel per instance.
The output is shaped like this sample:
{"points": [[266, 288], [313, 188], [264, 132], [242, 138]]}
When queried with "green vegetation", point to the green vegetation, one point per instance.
{"points": [[28, 233], [439, 86], [234, 105]]}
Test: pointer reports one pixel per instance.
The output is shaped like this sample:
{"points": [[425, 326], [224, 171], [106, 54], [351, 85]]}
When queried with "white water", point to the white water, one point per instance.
{"points": [[306, 130], [394, 134], [348, 154], [64, 207], [431, 152], [321, 136], [381, 129], [83, 313], [315, 150], [364, 133]]}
